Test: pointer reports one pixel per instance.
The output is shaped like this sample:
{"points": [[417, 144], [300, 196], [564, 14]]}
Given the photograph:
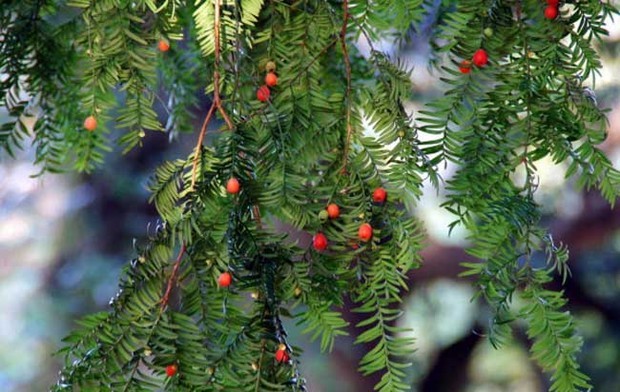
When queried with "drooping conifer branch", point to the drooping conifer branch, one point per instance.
{"points": [[347, 96], [288, 155], [217, 101]]}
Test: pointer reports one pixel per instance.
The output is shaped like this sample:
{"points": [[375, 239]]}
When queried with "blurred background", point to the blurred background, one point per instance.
{"points": [[65, 238]]}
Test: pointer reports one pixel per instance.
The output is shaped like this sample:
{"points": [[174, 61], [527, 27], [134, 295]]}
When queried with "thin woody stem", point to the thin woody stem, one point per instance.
{"points": [[256, 211], [201, 136], [172, 278], [217, 101], [216, 73], [347, 67]]}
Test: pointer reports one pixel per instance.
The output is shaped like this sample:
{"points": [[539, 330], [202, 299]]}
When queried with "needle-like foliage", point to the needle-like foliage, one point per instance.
{"points": [[333, 129]]}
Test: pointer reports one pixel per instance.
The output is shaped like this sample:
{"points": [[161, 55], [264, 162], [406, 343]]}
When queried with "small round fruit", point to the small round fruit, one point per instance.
{"points": [[282, 356], [233, 186], [465, 67], [270, 66], [323, 215], [488, 32], [90, 124], [225, 279], [551, 12], [365, 232], [319, 242], [271, 79], [163, 45], [379, 195], [171, 370], [263, 93], [333, 211], [481, 58]]}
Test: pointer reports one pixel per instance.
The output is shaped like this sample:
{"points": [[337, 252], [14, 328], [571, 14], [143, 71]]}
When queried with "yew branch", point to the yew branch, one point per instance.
{"points": [[347, 67], [217, 101]]}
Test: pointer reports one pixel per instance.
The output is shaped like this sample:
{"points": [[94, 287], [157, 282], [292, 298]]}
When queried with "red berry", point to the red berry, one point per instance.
{"points": [[225, 279], [465, 66], [163, 45], [271, 79], [379, 195], [171, 370], [365, 232], [481, 58], [263, 93], [319, 242], [233, 186], [333, 211], [554, 3], [282, 355], [90, 123], [551, 12]]}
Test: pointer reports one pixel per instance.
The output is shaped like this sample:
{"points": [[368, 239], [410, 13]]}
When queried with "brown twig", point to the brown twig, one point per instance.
{"points": [[257, 218], [217, 101], [172, 278], [347, 66]]}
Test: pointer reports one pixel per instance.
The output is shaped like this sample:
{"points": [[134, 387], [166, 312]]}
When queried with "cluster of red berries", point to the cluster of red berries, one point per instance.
{"points": [[551, 12], [479, 59], [271, 80], [364, 233]]}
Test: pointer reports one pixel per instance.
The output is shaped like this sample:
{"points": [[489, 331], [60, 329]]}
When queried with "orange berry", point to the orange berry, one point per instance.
{"points": [[171, 370], [163, 45], [271, 79], [233, 186], [319, 241], [379, 195], [263, 93], [365, 232], [225, 279], [333, 211], [465, 67], [481, 58], [90, 123]]}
